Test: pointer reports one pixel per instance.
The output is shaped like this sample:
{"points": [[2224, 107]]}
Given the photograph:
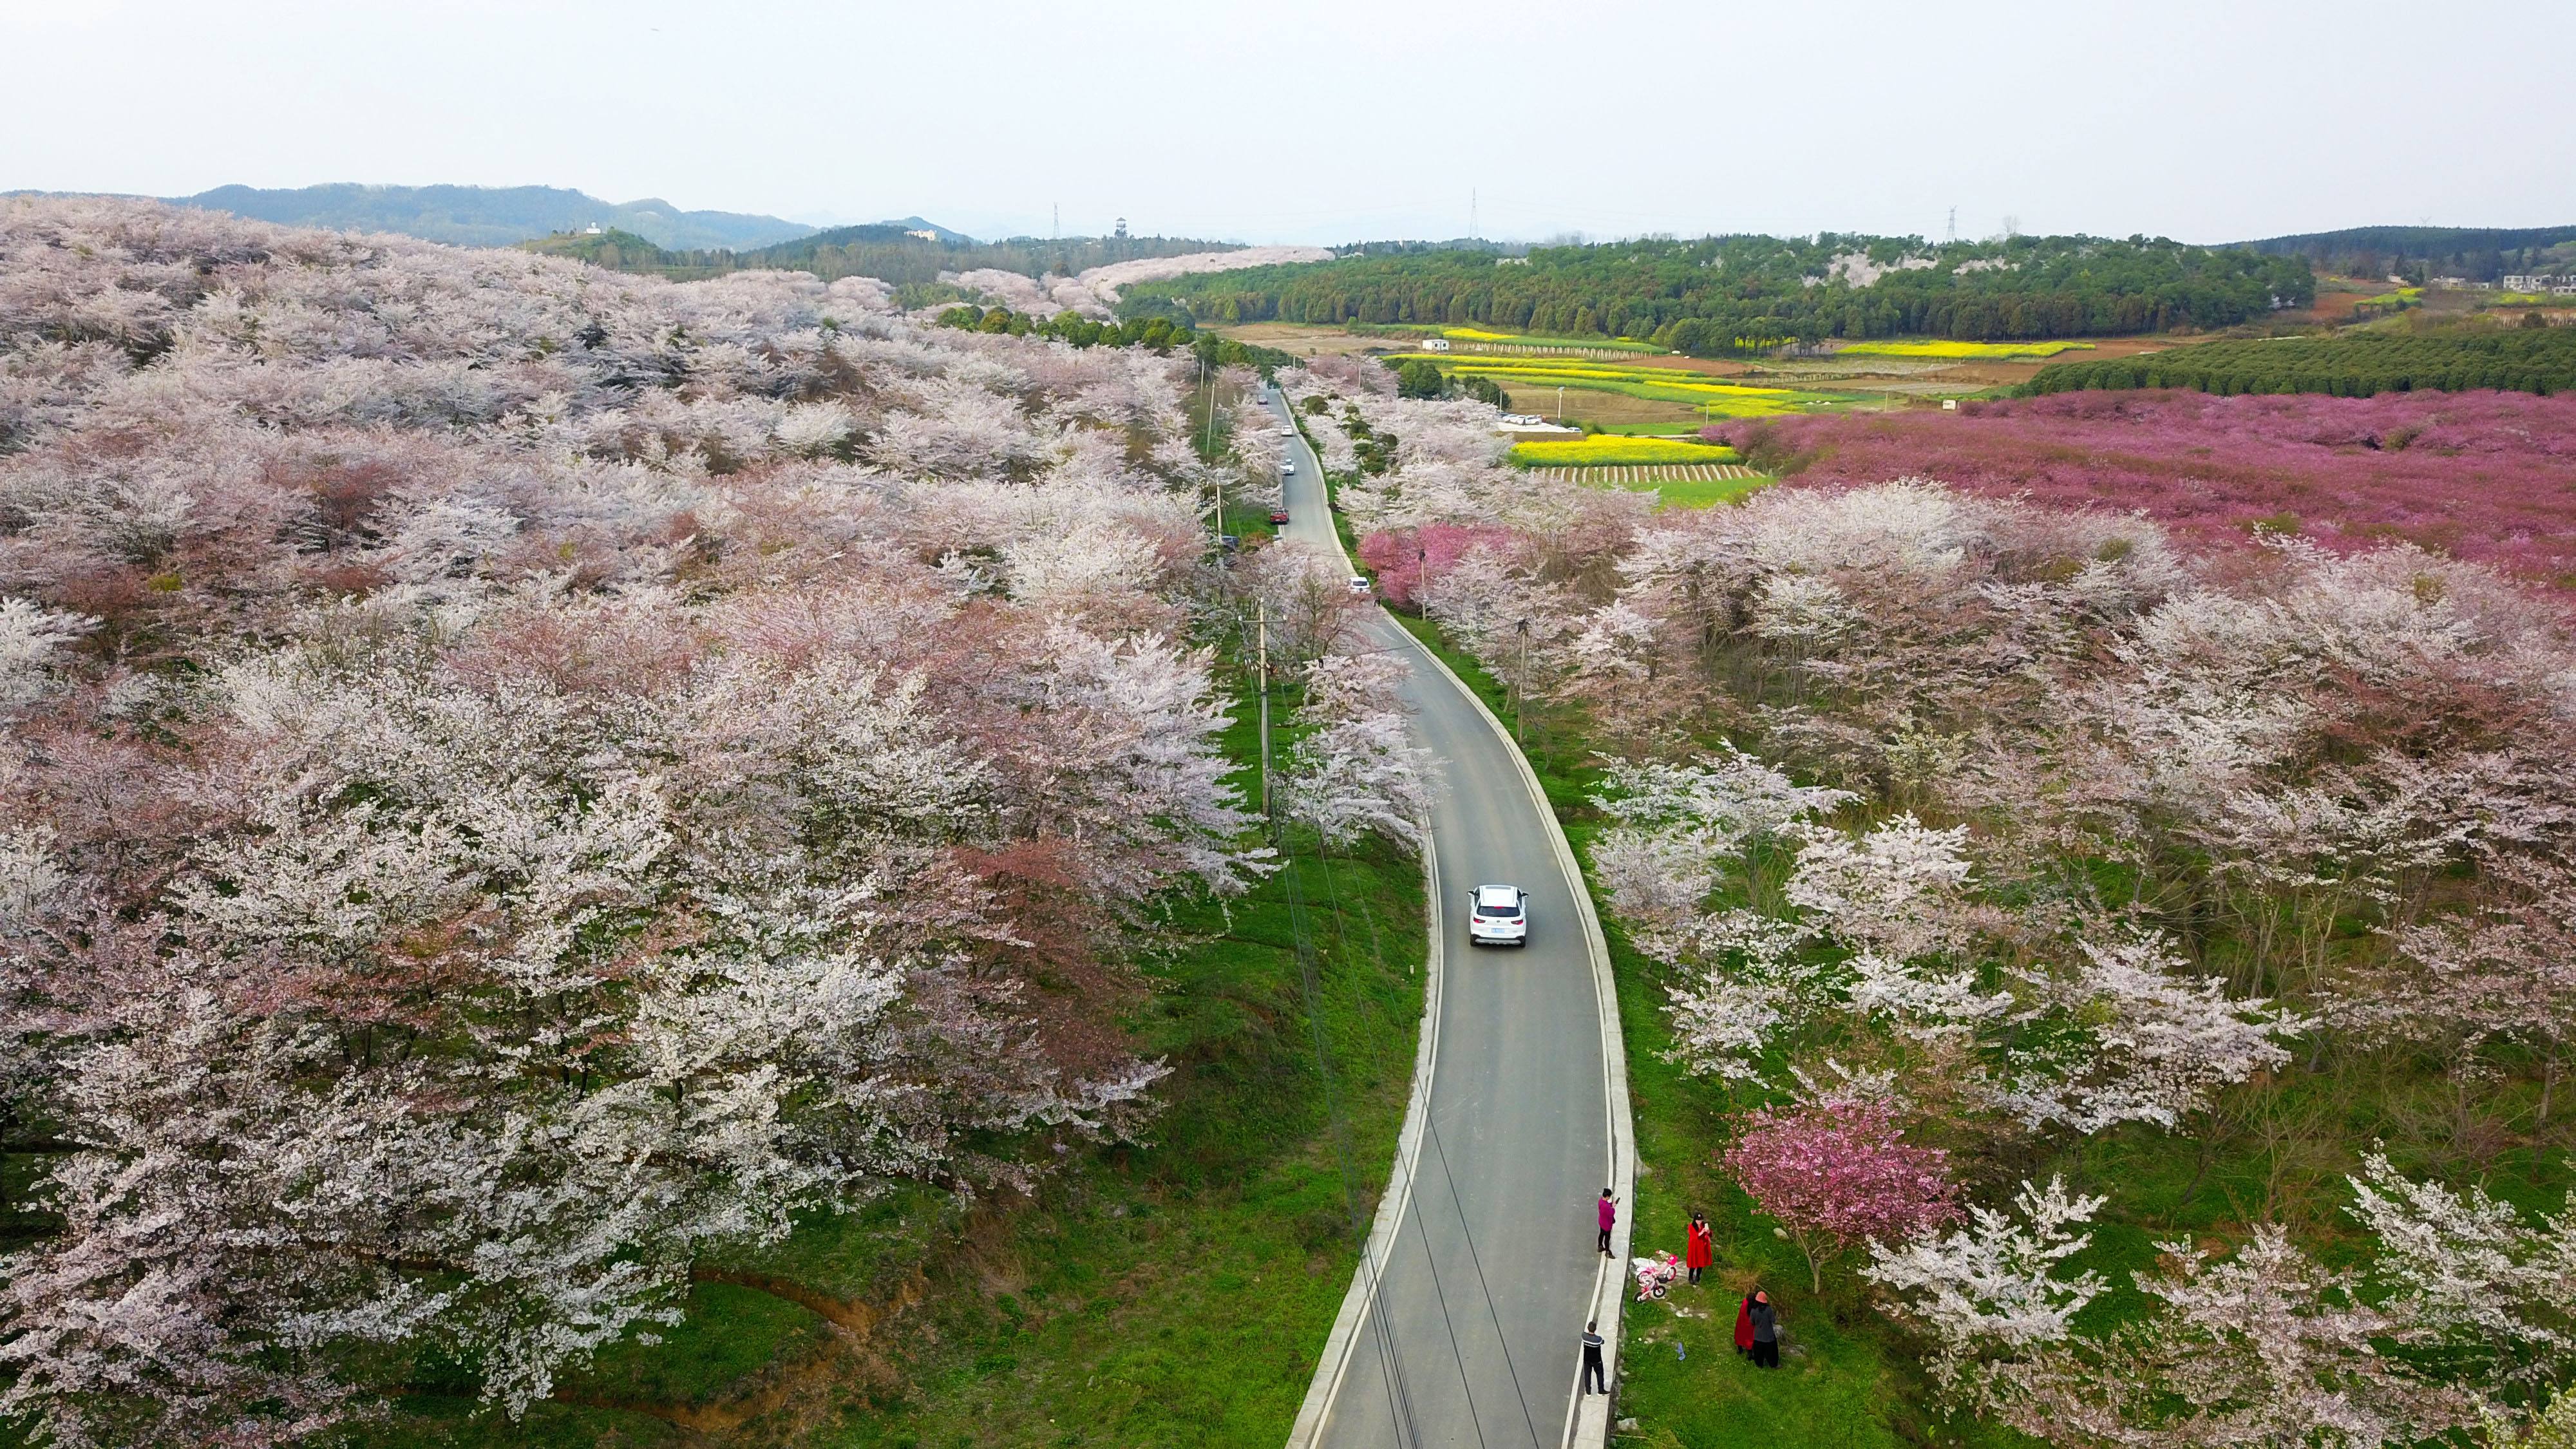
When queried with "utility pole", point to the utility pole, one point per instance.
{"points": [[1215, 475], [1209, 383], [1954, 223], [1474, 233], [1261, 626], [1055, 221], [1520, 709]]}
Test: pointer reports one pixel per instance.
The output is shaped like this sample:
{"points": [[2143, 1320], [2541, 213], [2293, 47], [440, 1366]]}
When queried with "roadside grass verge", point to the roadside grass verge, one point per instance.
{"points": [[1170, 1296]]}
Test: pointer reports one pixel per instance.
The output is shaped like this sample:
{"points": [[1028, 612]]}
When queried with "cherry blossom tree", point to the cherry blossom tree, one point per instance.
{"points": [[2263, 1348], [1995, 1284], [29, 635], [2146, 1041], [2495, 1292], [1835, 1174], [2504, 973], [1357, 769]]}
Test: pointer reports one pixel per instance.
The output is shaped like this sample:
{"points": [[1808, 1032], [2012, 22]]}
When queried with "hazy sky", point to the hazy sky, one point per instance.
{"points": [[1332, 120]]}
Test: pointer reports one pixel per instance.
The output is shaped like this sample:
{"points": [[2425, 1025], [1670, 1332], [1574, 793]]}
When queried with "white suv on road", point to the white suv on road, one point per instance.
{"points": [[1500, 917]]}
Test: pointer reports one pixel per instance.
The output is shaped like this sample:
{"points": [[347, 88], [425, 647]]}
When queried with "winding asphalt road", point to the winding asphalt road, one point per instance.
{"points": [[1464, 1327]]}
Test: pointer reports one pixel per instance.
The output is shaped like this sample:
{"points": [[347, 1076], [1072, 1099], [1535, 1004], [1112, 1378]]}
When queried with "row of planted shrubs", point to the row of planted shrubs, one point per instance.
{"points": [[2522, 359]]}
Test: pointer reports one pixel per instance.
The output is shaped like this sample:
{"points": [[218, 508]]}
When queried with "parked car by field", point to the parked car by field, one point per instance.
{"points": [[1279, 515]]}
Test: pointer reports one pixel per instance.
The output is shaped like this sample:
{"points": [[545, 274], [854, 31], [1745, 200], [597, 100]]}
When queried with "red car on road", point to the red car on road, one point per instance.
{"points": [[1279, 515]]}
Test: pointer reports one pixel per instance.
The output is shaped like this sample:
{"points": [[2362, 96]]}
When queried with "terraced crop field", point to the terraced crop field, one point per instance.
{"points": [[1660, 384]]}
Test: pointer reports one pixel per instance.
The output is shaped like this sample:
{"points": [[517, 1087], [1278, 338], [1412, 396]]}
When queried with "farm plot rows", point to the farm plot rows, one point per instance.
{"points": [[1629, 477], [1519, 341], [1657, 384]]}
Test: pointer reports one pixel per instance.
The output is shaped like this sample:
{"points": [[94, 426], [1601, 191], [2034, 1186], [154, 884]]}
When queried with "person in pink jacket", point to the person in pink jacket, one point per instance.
{"points": [[1609, 1219]]}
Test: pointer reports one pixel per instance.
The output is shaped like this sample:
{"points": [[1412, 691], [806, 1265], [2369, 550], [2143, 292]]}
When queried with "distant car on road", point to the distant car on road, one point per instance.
{"points": [[1279, 515], [1287, 466], [1283, 432], [1359, 584], [1500, 916]]}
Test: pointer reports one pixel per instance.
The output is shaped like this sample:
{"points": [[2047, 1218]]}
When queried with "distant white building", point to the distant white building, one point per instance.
{"points": [[2538, 283], [1435, 344], [928, 236], [591, 230]]}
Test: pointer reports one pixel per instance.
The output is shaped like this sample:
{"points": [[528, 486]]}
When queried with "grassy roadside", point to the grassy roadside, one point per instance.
{"points": [[1164, 1296]]}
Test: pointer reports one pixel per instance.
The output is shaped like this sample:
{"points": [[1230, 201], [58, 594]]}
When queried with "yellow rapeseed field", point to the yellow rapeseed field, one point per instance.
{"points": [[1605, 451], [1962, 351]]}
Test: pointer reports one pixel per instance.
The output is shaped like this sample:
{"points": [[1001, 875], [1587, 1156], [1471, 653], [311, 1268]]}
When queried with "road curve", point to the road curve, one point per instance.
{"points": [[1463, 1325]]}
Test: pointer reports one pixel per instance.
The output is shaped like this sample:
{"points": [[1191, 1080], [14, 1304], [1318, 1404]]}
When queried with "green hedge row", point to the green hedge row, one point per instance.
{"points": [[2540, 360]]}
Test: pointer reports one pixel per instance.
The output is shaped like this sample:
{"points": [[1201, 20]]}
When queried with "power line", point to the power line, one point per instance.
{"points": [[1432, 1124], [1390, 1363], [1440, 1297]]}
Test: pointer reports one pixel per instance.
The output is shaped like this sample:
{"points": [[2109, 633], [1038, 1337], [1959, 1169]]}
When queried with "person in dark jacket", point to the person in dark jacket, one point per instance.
{"points": [[1766, 1331], [1701, 1252], [1595, 1378]]}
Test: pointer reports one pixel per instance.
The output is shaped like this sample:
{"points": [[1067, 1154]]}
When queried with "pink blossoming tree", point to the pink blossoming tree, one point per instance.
{"points": [[1837, 1174]]}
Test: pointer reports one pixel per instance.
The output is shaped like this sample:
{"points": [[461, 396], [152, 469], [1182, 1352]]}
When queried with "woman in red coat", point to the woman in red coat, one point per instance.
{"points": [[1744, 1325], [1702, 1252]]}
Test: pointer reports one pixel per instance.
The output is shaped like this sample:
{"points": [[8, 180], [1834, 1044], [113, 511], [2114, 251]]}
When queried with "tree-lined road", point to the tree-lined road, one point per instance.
{"points": [[1471, 1337]]}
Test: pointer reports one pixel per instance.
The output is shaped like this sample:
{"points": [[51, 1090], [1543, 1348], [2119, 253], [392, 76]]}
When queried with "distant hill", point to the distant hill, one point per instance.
{"points": [[492, 216], [2480, 254], [892, 251]]}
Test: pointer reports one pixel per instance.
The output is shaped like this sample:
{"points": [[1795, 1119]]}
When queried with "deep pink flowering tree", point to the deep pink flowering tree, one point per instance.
{"points": [[1837, 1174], [1406, 559]]}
